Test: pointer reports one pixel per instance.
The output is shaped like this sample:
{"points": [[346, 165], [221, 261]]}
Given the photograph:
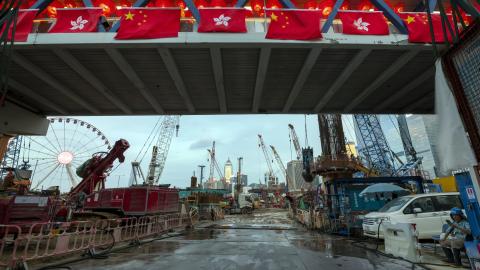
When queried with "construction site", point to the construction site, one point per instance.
{"points": [[220, 134]]}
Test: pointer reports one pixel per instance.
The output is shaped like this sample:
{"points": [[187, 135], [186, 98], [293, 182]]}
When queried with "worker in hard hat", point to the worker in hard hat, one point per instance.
{"points": [[455, 235]]}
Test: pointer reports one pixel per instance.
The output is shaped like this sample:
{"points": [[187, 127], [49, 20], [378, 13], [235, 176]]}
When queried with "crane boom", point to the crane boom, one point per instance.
{"points": [[281, 166], [160, 149], [213, 161], [265, 153], [296, 142]]}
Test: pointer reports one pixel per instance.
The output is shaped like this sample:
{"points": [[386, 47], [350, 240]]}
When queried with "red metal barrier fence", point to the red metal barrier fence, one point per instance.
{"points": [[45, 240]]}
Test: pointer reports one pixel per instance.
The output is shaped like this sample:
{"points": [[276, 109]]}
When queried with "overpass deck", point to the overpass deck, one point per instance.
{"points": [[220, 73]]}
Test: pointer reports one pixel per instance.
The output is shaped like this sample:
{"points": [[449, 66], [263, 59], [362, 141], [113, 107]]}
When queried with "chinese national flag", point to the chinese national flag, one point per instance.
{"points": [[23, 26], [363, 23], [419, 27], [294, 24], [76, 20], [222, 20], [147, 23]]}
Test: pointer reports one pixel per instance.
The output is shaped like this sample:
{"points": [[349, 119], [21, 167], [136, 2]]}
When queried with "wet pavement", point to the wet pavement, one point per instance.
{"points": [[264, 240]]}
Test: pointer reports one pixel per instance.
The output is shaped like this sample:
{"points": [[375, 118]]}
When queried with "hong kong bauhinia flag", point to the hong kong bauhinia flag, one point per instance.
{"points": [[363, 23], [419, 28], [76, 20], [24, 24], [294, 24], [222, 20], [148, 23]]}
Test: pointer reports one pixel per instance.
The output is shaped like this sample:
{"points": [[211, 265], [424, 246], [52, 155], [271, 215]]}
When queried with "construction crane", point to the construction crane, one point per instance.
{"points": [[214, 165], [296, 142], [373, 145], [165, 131], [281, 166], [271, 175]]}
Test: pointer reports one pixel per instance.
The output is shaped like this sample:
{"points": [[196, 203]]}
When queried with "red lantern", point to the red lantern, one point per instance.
{"points": [[326, 6], [365, 5], [310, 4], [108, 6], [164, 3], [52, 8], [218, 3], [345, 5], [201, 4], [257, 7], [181, 4], [273, 4]]}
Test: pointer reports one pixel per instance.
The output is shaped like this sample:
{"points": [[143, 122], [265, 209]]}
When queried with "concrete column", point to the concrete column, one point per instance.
{"points": [[15, 120]]}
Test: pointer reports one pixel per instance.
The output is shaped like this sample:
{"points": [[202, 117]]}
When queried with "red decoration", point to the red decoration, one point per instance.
{"points": [[273, 4], [23, 26], [146, 23], [294, 25], [326, 6], [52, 8], [180, 4], [164, 3], [310, 4], [218, 3], [257, 7], [201, 4], [108, 6], [365, 5], [345, 5]]}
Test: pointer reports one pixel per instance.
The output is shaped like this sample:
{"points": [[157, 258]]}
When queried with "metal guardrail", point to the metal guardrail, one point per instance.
{"points": [[51, 239]]}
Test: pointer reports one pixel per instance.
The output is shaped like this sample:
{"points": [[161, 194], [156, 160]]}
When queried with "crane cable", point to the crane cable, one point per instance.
{"points": [[147, 140]]}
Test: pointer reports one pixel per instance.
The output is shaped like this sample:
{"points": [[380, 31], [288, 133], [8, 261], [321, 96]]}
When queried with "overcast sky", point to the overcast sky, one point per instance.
{"points": [[235, 136]]}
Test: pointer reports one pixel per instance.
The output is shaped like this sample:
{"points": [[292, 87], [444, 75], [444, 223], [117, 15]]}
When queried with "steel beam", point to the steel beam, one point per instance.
{"points": [[176, 77], [302, 77], [418, 102], [34, 95], [41, 5], [16, 120], [342, 78], [193, 8], [389, 72], [261, 75], [432, 4], [405, 90], [44, 76], [74, 64], [217, 65], [125, 67]]}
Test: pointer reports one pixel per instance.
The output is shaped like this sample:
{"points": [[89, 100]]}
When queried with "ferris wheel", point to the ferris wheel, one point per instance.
{"points": [[55, 157]]}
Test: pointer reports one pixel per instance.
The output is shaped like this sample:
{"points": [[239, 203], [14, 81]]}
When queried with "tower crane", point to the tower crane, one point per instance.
{"points": [[281, 166], [271, 175], [296, 142], [169, 125], [214, 164]]}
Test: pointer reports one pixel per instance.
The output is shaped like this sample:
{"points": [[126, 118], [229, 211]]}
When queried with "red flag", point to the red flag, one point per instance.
{"points": [[222, 20], [23, 26], [76, 20], [145, 23], [363, 23], [419, 27], [294, 24]]}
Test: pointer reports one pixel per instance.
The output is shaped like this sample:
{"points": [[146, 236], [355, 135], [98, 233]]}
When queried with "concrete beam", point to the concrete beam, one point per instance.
{"points": [[15, 120], [217, 65], [261, 75], [405, 90], [302, 77], [342, 78], [18, 87], [389, 72], [176, 77], [130, 73], [47, 78], [419, 102], [88, 76]]}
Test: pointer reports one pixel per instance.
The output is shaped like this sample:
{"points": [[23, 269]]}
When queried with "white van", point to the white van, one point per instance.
{"points": [[428, 211]]}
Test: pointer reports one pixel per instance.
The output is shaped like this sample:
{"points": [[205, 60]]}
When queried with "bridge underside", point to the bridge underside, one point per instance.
{"points": [[93, 74]]}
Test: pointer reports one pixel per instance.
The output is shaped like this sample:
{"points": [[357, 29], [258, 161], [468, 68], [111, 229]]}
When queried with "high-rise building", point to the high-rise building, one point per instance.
{"points": [[243, 179], [351, 150], [294, 173], [423, 133], [228, 171]]}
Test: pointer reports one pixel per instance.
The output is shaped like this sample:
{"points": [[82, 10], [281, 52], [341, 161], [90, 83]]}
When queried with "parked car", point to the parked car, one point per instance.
{"points": [[428, 211]]}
